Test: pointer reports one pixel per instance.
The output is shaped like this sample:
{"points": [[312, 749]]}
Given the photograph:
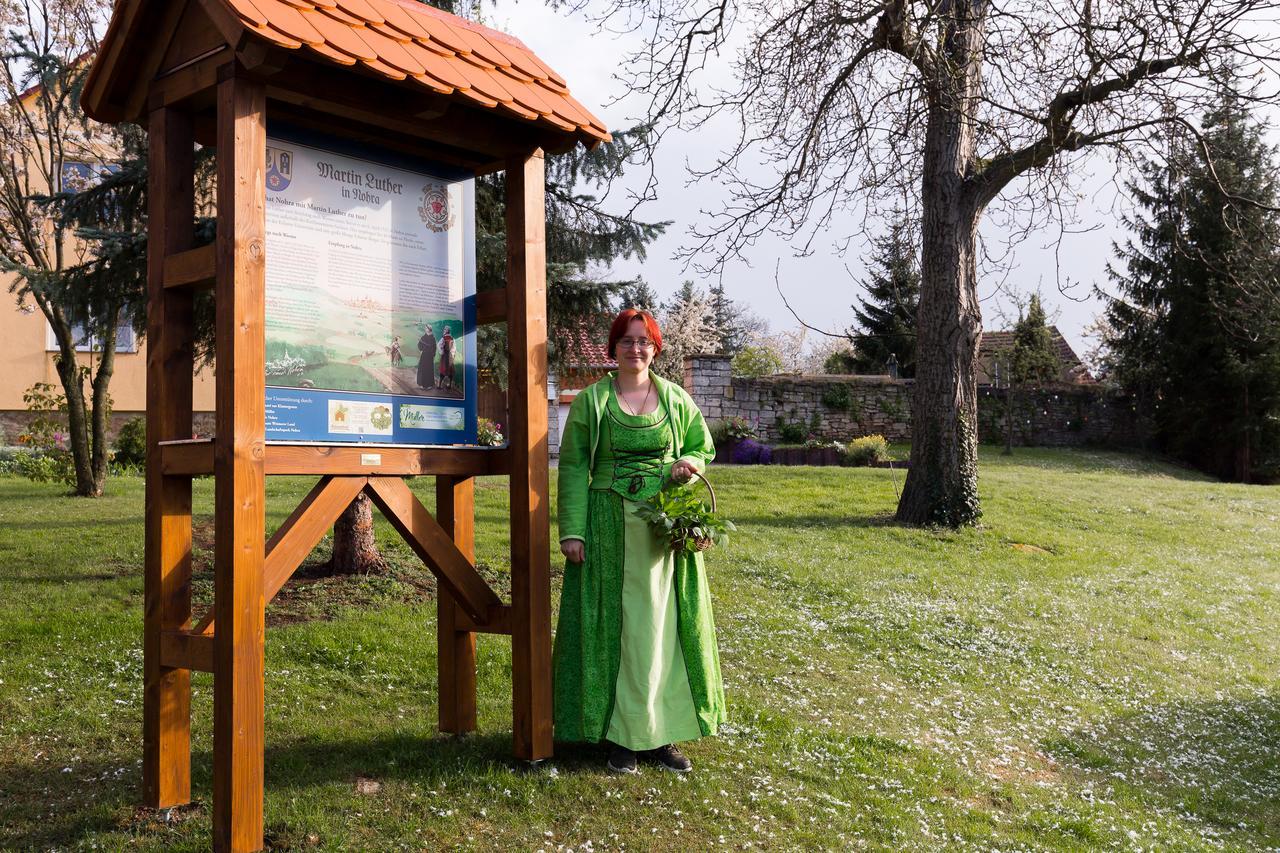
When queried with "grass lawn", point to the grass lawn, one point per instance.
{"points": [[1097, 666]]}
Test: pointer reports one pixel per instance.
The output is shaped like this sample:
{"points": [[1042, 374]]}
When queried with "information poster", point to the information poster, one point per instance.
{"points": [[370, 301]]}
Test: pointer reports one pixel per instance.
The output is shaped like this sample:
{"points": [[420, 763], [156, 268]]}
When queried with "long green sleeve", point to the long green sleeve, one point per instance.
{"points": [[575, 469], [696, 445]]}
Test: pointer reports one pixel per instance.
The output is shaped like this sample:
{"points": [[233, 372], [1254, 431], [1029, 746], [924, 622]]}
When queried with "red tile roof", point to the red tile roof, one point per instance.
{"points": [[403, 39]]}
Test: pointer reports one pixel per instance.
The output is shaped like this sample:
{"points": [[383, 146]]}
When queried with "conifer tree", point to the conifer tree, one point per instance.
{"points": [[887, 315], [639, 295], [1197, 321], [1031, 359], [735, 325]]}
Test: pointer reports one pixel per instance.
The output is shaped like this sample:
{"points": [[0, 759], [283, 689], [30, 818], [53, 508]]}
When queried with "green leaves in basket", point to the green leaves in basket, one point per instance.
{"points": [[678, 515]]}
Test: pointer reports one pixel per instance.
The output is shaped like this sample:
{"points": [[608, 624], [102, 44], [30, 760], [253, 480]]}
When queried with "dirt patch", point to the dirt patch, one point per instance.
{"points": [[314, 593]]}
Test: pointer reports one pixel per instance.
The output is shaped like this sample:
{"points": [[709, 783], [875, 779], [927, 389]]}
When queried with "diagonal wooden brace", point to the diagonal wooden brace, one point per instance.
{"points": [[436, 548], [304, 528]]}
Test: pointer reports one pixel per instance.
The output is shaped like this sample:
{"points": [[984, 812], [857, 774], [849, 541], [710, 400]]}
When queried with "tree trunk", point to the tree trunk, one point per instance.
{"points": [[100, 414], [354, 548], [1008, 419], [77, 421], [942, 483]]}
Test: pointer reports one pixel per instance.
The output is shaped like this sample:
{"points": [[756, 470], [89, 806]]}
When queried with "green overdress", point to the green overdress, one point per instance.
{"points": [[635, 659]]}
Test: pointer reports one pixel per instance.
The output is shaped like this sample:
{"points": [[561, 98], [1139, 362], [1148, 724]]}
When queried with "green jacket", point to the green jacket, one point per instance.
{"points": [[581, 434], [588, 637]]}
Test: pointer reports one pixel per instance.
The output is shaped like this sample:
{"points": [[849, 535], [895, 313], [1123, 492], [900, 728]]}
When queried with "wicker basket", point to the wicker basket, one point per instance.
{"points": [[705, 543]]}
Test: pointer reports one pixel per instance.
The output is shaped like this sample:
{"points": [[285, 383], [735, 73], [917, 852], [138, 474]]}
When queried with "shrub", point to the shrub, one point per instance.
{"points": [[755, 361], [752, 452], [739, 427], [50, 459], [837, 397], [131, 444], [865, 451], [792, 432], [841, 399]]}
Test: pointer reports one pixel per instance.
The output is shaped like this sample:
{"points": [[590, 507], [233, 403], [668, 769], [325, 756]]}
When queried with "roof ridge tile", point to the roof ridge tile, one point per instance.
{"points": [[443, 53]]}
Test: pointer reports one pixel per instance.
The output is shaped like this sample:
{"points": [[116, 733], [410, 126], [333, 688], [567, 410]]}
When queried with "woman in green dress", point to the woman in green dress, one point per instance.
{"points": [[635, 660]]}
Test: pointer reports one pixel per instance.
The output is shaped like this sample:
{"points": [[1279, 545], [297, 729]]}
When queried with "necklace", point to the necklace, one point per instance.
{"points": [[631, 410]]}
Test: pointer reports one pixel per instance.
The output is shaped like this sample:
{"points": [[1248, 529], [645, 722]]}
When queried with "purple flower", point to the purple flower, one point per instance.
{"points": [[751, 452]]}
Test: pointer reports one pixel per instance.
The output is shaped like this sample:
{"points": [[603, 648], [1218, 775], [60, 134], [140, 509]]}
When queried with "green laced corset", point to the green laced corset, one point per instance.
{"points": [[640, 456]]}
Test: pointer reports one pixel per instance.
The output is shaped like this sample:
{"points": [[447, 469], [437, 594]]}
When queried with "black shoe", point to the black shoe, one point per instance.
{"points": [[622, 760], [670, 758]]}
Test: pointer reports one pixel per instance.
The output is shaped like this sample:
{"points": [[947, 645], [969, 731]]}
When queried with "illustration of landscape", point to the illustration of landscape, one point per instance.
{"points": [[362, 345]]}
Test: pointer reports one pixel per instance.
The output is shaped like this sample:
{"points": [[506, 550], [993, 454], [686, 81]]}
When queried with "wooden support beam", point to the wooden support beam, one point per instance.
{"points": [[491, 306], [191, 86], [192, 457], [452, 568], [187, 650], [373, 460], [194, 268], [239, 456], [166, 714], [527, 396], [300, 533], [498, 622], [188, 457], [455, 640]]}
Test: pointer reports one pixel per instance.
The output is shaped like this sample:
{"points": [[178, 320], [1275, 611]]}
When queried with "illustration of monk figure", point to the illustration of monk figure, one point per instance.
{"points": [[446, 360], [426, 361]]}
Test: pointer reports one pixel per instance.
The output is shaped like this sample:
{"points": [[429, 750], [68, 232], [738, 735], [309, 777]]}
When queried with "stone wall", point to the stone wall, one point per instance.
{"points": [[844, 407], [1060, 416]]}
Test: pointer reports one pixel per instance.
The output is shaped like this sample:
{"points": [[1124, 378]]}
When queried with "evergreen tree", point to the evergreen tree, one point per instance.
{"points": [[887, 316], [735, 325], [1197, 322], [1031, 359], [639, 295], [583, 240]]}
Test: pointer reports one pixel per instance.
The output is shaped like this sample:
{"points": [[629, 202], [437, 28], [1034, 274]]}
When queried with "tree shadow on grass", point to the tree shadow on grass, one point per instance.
{"points": [[409, 757], [815, 521], [44, 806], [1218, 761]]}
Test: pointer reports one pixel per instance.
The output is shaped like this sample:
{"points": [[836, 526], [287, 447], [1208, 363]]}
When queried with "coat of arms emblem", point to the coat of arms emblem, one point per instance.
{"points": [[434, 207], [279, 169]]}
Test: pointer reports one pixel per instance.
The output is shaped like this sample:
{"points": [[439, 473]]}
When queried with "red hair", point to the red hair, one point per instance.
{"points": [[623, 320]]}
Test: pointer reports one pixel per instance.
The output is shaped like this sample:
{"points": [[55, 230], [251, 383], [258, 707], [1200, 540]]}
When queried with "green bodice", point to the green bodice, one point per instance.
{"points": [[635, 451]]}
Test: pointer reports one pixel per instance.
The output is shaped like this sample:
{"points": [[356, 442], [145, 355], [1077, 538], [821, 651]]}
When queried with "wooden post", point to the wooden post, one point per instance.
{"points": [[456, 649], [239, 454], [166, 715], [530, 519]]}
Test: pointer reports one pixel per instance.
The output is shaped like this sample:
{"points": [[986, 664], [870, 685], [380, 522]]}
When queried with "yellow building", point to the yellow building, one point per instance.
{"points": [[29, 350], [27, 341]]}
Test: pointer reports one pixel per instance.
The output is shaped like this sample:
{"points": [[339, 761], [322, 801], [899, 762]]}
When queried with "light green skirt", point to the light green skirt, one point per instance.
{"points": [[653, 704]]}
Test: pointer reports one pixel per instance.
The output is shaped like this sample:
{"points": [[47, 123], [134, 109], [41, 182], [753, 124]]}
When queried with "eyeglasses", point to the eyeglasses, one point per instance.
{"points": [[635, 343]]}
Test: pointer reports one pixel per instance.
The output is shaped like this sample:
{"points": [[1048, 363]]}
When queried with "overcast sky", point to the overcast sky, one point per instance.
{"points": [[1063, 267]]}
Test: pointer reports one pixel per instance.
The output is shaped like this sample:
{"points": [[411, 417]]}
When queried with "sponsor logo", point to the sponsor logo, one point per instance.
{"points": [[434, 208], [279, 169]]}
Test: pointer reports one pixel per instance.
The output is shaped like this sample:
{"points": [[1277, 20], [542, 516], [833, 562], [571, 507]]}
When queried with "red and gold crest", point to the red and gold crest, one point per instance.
{"points": [[434, 207]]}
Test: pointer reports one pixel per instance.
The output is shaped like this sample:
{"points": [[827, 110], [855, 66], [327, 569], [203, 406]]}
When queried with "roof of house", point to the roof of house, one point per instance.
{"points": [[400, 40], [995, 342], [590, 352]]}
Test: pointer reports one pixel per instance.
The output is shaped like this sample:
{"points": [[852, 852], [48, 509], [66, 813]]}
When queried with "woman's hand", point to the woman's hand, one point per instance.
{"points": [[683, 471], [573, 550]]}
